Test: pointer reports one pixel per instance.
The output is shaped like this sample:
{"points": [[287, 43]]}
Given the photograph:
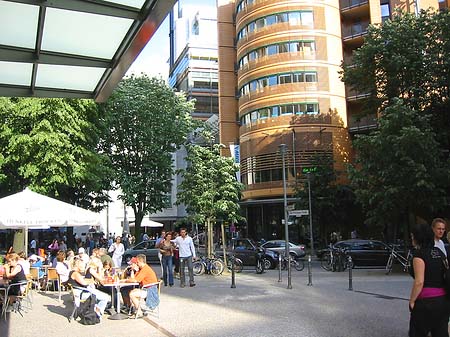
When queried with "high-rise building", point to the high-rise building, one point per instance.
{"points": [[279, 83], [193, 60]]}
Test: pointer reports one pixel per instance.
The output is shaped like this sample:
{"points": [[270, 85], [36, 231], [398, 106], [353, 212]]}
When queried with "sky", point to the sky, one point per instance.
{"points": [[153, 58]]}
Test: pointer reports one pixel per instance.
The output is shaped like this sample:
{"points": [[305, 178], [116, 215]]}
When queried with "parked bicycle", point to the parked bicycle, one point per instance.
{"points": [[404, 261], [297, 264], [335, 259], [206, 265], [238, 264]]}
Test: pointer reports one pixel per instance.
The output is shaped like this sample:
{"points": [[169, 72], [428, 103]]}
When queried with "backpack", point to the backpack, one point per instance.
{"points": [[86, 311]]}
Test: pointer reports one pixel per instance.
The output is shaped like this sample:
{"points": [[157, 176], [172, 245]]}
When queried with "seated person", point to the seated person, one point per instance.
{"points": [[144, 274], [83, 256], [107, 268], [77, 279], [37, 262], [62, 268], [14, 273], [103, 254], [24, 263]]}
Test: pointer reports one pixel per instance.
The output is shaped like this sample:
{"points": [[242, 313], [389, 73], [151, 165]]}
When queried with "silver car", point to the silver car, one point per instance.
{"points": [[278, 246]]}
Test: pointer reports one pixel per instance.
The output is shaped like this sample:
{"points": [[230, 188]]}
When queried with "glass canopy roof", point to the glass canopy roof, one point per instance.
{"points": [[73, 48]]}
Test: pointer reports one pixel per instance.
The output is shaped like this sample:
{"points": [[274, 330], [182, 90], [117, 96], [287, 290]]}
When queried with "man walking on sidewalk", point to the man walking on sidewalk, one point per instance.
{"points": [[187, 253]]}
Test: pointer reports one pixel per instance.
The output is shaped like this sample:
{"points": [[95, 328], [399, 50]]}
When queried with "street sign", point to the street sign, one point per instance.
{"points": [[309, 169], [299, 212]]}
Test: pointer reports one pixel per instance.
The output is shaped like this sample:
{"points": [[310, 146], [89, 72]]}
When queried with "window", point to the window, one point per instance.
{"points": [[195, 28], [254, 116], [283, 47], [277, 174], [385, 12], [282, 17], [312, 108], [263, 82], [298, 77], [309, 46], [273, 49], [253, 86], [310, 77], [272, 80], [286, 109], [299, 109], [307, 18], [265, 175], [261, 52], [271, 20], [294, 18], [251, 27], [275, 111], [252, 56], [294, 47], [285, 78], [247, 119], [260, 23], [264, 113]]}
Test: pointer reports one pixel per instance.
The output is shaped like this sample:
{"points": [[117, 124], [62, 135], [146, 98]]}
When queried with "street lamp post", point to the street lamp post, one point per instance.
{"points": [[310, 215], [286, 226]]}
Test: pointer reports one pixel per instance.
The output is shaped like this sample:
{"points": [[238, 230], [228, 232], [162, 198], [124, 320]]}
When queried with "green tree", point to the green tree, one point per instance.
{"points": [[146, 122], [50, 145], [398, 171], [327, 198], [209, 188]]}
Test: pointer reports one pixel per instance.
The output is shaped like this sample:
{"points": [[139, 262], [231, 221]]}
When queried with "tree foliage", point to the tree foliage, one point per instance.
{"points": [[50, 145], [328, 198], [146, 122], [403, 167], [399, 168]]}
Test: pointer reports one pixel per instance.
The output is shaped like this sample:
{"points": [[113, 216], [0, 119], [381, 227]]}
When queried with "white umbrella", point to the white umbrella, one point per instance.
{"points": [[28, 209], [146, 222]]}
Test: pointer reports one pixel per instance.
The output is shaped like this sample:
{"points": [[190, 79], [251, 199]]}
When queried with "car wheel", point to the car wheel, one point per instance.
{"points": [[267, 263]]}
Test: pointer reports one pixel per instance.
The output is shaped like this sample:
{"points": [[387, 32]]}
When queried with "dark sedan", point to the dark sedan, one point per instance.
{"points": [[145, 247], [245, 249], [279, 246], [366, 253]]}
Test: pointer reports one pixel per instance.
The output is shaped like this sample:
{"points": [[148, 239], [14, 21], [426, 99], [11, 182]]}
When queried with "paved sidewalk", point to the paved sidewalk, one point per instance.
{"points": [[258, 306]]}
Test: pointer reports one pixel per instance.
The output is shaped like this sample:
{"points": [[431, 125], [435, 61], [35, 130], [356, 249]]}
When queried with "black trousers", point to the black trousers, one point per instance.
{"points": [[430, 315]]}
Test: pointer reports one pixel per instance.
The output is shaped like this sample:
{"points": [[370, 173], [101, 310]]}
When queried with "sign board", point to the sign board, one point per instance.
{"points": [[299, 212], [309, 169]]}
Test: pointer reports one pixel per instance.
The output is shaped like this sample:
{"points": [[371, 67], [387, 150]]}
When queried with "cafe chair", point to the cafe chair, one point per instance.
{"points": [[52, 279], [153, 299], [34, 274], [78, 298], [16, 303]]}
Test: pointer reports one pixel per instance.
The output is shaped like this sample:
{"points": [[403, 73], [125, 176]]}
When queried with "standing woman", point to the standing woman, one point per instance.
{"points": [[117, 248], [166, 247], [428, 302]]}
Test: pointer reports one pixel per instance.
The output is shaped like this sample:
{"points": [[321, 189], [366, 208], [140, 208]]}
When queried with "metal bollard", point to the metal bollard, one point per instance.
{"points": [[279, 268], [233, 273], [309, 271], [350, 273]]}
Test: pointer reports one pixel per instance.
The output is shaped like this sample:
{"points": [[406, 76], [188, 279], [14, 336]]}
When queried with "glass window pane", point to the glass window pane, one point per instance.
{"points": [[272, 50], [252, 56], [310, 77], [282, 17], [78, 33], [272, 80], [264, 113], [68, 77], [253, 85], [286, 109], [275, 111], [263, 82], [294, 47], [15, 73], [270, 20], [385, 11], [294, 18], [260, 23], [285, 78], [130, 3], [261, 52], [283, 47], [19, 24], [307, 18], [251, 27], [297, 77]]}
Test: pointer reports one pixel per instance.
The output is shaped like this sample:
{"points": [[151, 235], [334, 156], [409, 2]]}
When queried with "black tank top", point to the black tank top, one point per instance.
{"points": [[19, 277], [73, 282], [434, 267]]}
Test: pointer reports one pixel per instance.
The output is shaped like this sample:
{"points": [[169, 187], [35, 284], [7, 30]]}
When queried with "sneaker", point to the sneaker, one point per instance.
{"points": [[192, 285]]}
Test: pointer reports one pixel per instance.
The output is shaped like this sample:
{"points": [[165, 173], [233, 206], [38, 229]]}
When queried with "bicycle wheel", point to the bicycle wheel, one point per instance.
{"points": [[389, 264], [326, 262], [216, 267], [267, 263], [198, 267], [298, 264]]}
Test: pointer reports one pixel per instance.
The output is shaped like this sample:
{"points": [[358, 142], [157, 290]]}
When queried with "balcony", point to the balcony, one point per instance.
{"points": [[361, 124], [351, 9], [354, 95], [353, 34]]}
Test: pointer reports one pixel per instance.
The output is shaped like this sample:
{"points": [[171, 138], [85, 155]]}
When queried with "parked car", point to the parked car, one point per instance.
{"points": [[245, 249], [279, 246], [145, 247], [366, 253]]}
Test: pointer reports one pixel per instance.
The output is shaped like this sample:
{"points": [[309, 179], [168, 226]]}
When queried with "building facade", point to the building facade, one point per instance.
{"points": [[279, 83]]}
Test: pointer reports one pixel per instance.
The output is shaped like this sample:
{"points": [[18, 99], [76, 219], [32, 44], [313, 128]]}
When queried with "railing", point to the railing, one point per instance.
{"points": [[347, 4]]}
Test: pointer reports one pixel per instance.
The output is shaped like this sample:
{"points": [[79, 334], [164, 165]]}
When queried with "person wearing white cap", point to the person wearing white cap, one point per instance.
{"points": [[83, 256]]}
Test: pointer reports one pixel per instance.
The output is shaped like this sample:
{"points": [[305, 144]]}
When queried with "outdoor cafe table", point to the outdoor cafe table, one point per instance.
{"points": [[117, 285]]}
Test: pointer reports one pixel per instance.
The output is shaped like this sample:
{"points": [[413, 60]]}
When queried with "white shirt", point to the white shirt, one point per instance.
{"points": [[440, 244], [186, 246], [25, 266], [63, 270]]}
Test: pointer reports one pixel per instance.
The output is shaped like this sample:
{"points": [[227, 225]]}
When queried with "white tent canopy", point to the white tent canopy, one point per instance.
{"points": [[146, 222], [31, 210]]}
